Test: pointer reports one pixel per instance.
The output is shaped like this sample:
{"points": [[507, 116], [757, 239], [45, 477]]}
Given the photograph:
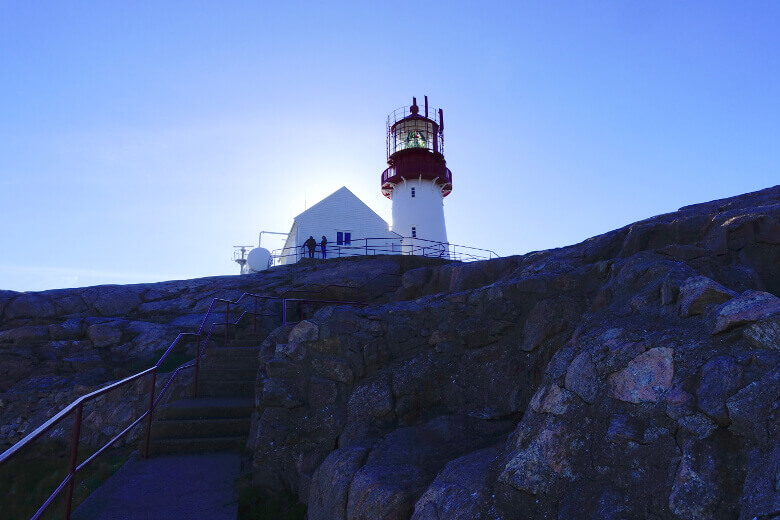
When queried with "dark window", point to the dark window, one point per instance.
{"points": [[347, 238], [414, 231], [339, 238], [412, 192]]}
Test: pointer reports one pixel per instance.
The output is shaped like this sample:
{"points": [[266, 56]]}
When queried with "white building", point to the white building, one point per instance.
{"points": [[349, 225]]}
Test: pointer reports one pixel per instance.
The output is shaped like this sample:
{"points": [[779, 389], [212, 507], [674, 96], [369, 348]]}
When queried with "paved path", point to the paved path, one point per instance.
{"points": [[191, 487]]}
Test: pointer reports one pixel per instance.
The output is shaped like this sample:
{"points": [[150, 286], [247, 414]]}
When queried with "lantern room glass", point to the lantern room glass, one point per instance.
{"points": [[413, 132]]}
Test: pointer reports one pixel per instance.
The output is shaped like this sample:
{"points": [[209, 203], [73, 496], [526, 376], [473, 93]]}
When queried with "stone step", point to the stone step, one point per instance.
{"points": [[196, 428], [233, 351], [219, 388], [247, 332], [235, 443], [251, 342], [208, 407], [238, 373], [230, 362]]}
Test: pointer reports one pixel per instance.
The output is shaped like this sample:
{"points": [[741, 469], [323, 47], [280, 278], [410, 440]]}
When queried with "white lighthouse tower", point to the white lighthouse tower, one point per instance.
{"points": [[417, 178]]}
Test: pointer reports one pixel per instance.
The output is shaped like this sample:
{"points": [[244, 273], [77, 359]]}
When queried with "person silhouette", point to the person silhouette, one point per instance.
{"points": [[310, 245]]}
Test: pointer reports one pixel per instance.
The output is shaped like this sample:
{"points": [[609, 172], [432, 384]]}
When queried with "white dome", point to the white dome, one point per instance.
{"points": [[258, 259]]}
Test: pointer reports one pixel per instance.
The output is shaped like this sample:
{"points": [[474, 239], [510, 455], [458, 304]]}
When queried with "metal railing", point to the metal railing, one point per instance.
{"points": [[76, 408], [390, 172], [202, 338], [386, 246], [432, 143], [403, 112]]}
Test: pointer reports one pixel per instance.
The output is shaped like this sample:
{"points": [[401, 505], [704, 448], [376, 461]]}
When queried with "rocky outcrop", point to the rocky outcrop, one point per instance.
{"points": [[634, 375], [57, 345]]}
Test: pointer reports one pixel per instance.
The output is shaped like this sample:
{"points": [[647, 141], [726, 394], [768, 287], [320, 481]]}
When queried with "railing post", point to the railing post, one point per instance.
{"points": [[197, 367], [284, 311], [227, 320], [151, 413], [254, 318], [74, 453]]}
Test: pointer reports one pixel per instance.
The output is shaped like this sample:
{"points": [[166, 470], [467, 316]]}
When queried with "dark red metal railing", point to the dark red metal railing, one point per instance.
{"points": [[434, 115], [201, 338], [76, 408], [441, 173]]}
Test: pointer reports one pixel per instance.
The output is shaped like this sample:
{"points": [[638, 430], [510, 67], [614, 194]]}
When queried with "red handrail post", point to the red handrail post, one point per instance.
{"points": [[227, 320], [151, 413], [197, 366], [74, 453], [254, 318]]}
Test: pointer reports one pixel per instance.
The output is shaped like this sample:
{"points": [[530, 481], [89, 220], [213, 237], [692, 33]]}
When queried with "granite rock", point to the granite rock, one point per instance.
{"points": [[606, 379], [646, 377], [748, 307], [697, 292]]}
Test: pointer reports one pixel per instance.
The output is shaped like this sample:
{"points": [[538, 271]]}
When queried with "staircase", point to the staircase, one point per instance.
{"points": [[219, 418]]}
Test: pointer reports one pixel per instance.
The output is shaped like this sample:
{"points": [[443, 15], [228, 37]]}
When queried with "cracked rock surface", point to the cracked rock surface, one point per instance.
{"points": [[58, 345], [634, 375]]}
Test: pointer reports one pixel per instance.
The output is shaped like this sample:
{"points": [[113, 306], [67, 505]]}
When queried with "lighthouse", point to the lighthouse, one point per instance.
{"points": [[417, 178], [416, 181]]}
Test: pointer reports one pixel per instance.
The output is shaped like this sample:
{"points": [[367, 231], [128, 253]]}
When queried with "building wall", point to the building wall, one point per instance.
{"points": [[288, 253]]}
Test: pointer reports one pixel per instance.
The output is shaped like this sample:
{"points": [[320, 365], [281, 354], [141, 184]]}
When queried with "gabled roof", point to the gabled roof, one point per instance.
{"points": [[341, 197]]}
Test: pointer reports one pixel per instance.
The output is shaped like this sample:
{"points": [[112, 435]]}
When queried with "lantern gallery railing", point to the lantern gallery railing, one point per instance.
{"points": [[422, 131], [385, 246], [445, 175]]}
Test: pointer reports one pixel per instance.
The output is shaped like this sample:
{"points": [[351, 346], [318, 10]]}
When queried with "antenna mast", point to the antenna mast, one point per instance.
{"points": [[239, 257]]}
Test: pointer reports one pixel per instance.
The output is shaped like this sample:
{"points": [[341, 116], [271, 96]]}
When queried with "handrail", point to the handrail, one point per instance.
{"points": [[411, 246], [40, 430], [390, 172], [77, 405]]}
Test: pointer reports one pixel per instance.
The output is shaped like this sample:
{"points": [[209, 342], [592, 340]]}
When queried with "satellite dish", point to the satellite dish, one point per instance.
{"points": [[258, 259]]}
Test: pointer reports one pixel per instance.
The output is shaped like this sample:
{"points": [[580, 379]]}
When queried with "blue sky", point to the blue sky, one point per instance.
{"points": [[140, 141]]}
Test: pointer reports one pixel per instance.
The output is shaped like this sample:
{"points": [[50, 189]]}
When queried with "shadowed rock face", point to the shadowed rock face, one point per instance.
{"points": [[57, 345], [634, 375]]}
